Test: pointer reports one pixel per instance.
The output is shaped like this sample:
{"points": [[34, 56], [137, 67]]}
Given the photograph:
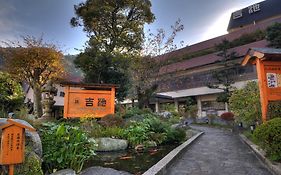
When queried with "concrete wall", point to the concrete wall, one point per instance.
{"points": [[58, 98]]}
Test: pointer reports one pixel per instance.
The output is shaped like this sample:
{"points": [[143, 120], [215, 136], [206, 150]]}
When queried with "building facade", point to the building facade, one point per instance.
{"points": [[187, 72]]}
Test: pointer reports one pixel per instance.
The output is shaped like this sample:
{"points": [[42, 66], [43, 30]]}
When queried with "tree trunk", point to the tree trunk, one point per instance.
{"points": [[140, 98], [37, 105]]}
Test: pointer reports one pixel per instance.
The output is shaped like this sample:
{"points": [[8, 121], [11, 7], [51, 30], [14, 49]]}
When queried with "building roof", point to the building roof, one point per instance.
{"points": [[198, 91], [261, 53], [88, 85], [214, 41], [207, 59], [254, 13]]}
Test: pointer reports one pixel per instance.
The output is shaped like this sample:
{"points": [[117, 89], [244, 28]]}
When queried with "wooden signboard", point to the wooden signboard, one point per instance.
{"points": [[12, 143], [272, 71], [268, 65], [95, 102]]}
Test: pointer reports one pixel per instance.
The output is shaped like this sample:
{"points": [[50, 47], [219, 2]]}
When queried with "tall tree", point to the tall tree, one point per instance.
{"points": [[115, 31], [35, 62], [273, 35], [145, 67], [223, 77], [160, 43]]}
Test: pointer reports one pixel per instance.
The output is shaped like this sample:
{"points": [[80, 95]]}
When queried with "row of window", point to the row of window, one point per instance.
{"points": [[202, 79]]}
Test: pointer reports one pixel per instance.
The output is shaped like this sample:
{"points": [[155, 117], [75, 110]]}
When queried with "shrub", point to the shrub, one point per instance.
{"points": [[30, 166], [112, 132], [168, 107], [245, 103], [134, 111], [65, 146], [111, 120], [137, 133], [156, 125], [228, 116], [175, 135], [268, 136]]}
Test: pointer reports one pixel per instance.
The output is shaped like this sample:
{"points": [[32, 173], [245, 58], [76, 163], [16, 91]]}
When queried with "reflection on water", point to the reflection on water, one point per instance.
{"points": [[130, 160]]}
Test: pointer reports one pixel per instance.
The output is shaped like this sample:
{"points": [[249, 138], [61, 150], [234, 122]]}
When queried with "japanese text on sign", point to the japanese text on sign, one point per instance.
{"points": [[254, 8], [90, 102], [273, 80]]}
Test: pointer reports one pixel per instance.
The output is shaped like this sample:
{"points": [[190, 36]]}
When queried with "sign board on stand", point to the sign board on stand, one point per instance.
{"points": [[268, 65], [13, 143], [88, 100]]}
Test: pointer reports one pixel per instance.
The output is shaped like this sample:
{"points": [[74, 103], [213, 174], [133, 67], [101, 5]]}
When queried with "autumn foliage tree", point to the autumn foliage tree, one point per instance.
{"points": [[34, 62]]}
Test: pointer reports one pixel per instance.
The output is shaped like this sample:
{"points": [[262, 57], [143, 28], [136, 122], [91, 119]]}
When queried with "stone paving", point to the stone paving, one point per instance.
{"points": [[217, 152]]}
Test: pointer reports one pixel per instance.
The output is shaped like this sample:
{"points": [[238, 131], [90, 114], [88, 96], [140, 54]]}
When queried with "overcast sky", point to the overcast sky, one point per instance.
{"points": [[202, 19]]}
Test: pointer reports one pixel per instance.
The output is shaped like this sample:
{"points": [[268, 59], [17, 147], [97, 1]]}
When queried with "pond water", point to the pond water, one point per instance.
{"points": [[130, 160]]}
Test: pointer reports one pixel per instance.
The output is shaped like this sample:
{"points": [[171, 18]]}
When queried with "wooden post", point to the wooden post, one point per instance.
{"points": [[11, 169], [112, 100], [66, 101], [263, 88]]}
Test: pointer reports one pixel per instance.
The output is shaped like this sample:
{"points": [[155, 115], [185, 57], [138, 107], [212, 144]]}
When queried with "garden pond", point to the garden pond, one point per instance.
{"points": [[130, 160]]}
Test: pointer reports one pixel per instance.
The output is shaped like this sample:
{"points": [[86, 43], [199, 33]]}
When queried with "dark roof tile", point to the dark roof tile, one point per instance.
{"points": [[208, 59]]}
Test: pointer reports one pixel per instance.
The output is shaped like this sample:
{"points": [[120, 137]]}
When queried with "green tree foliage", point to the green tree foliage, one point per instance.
{"points": [[245, 103], [273, 35], [115, 30], [114, 25], [224, 75], [105, 68], [35, 62], [11, 94]]}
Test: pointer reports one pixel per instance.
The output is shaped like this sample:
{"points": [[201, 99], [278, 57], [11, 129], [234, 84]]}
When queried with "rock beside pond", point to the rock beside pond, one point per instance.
{"points": [[109, 144], [65, 172], [102, 171]]}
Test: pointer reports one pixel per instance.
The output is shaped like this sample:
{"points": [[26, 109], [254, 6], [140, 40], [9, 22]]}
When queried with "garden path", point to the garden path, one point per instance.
{"points": [[217, 152]]}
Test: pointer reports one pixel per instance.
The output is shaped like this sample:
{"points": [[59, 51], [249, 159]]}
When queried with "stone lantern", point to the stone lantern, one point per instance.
{"points": [[48, 99]]}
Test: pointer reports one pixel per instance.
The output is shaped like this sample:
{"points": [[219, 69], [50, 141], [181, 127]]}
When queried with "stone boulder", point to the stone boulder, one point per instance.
{"points": [[109, 144], [102, 171], [65, 172], [165, 114]]}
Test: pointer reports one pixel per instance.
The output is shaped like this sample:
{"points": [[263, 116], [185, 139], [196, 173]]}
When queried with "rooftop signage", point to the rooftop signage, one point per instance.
{"points": [[254, 13], [251, 9]]}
